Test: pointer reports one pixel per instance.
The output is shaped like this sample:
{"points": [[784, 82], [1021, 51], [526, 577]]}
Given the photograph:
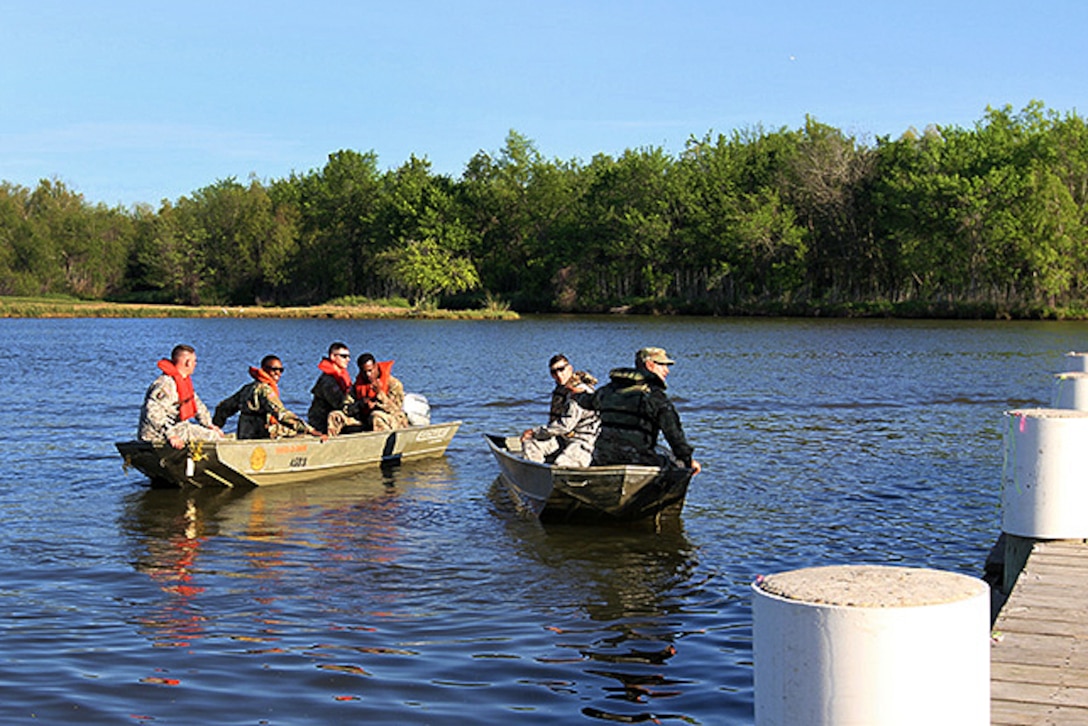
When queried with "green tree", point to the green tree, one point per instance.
{"points": [[169, 261], [23, 263], [337, 207], [828, 187], [425, 270], [424, 244], [744, 243], [519, 205]]}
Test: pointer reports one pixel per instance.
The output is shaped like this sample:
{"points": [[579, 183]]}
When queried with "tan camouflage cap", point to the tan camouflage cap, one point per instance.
{"points": [[657, 355]]}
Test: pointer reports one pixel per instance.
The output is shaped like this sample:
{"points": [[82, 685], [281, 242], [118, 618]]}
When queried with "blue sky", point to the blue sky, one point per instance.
{"points": [[136, 101]]}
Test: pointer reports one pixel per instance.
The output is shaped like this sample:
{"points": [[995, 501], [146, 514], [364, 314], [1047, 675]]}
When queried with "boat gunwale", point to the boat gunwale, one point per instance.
{"points": [[236, 447]]}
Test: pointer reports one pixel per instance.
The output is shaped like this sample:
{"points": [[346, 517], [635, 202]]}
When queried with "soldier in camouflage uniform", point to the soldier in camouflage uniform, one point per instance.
{"points": [[261, 413], [379, 396], [634, 408], [568, 437], [332, 394], [170, 403]]}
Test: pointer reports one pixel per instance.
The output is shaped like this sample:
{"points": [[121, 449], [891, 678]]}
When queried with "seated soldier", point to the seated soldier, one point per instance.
{"points": [[332, 394], [171, 405], [568, 437], [634, 410], [261, 413], [379, 396]]}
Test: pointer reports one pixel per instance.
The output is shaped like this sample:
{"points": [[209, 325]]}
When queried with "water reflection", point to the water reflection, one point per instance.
{"points": [[287, 541], [632, 588], [172, 527]]}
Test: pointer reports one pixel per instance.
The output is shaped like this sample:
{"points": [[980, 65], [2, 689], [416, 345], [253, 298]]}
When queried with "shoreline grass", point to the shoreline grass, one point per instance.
{"points": [[33, 307], [356, 308]]}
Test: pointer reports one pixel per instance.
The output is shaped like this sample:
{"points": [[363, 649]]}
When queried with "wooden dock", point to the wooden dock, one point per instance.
{"points": [[1039, 654]]}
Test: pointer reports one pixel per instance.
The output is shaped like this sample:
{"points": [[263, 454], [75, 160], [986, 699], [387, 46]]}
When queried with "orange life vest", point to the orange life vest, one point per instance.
{"points": [[186, 395], [341, 375], [365, 391]]}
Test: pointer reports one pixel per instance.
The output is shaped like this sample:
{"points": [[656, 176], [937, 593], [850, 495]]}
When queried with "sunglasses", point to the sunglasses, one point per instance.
{"points": [[559, 369], [341, 355], [275, 369]]}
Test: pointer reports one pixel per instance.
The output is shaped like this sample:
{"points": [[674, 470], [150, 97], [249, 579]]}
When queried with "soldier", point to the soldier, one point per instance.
{"points": [[634, 408], [261, 413], [332, 393], [568, 437], [170, 403], [379, 396]]}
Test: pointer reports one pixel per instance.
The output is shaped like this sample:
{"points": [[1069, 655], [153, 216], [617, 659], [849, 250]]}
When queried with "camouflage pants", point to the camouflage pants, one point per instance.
{"points": [[385, 421], [561, 452], [189, 431], [341, 423]]}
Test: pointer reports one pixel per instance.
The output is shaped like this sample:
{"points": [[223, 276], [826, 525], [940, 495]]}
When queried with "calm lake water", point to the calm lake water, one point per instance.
{"points": [[414, 595]]}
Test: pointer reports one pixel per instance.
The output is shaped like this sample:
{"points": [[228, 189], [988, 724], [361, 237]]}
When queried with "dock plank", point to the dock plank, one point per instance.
{"points": [[1039, 656]]}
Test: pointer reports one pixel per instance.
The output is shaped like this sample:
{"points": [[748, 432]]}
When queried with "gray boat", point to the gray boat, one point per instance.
{"points": [[619, 493], [260, 462]]}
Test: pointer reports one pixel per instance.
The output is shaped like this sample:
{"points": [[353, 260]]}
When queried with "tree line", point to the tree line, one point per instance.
{"points": [[991, 219]]}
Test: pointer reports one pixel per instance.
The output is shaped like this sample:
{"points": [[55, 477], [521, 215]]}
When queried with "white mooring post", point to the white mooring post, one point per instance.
{"points": [[1071, 390], [1076, 362], [871, 645], [1044, 493]]}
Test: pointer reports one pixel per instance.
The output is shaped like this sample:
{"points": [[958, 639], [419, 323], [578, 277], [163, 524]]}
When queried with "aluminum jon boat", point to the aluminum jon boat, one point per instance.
{"points": [[620, 493], [261, 462]]}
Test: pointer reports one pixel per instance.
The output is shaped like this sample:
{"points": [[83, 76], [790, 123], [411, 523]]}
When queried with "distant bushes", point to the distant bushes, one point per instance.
{"points": [[985, 222]]}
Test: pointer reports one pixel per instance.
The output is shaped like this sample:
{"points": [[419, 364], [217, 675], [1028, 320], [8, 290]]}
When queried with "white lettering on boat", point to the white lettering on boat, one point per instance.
{"points": [[432, 434]]}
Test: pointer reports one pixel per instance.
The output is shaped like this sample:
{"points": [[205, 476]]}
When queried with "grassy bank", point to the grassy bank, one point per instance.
{"points": [[360, 309], [28, 307]]}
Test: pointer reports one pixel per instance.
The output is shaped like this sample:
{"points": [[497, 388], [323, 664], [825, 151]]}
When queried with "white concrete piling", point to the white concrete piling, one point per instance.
{"points": [[1044, 493], [1076, 362], [871, 645], [1071, 391]]}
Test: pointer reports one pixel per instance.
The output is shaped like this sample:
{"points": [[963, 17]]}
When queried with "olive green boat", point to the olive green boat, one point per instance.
{"points": [[261, 462], [615, 493]]}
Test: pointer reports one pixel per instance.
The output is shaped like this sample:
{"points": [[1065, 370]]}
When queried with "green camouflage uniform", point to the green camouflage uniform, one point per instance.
{"points": [[385, 413], [159, 415], [634, 408], [261, 413]]}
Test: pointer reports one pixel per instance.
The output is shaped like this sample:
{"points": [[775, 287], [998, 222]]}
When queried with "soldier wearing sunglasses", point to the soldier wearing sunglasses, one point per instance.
{"points": [[261, 413], [568, 437], [332, 394]]}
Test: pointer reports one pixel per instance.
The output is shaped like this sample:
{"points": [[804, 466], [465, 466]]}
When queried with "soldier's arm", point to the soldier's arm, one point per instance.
{"points": [[271, 403], [564, 423], [669, 422], [227, 408], [162, 406], [202, 414], [274, 405], [395, 399], [587, 400]]}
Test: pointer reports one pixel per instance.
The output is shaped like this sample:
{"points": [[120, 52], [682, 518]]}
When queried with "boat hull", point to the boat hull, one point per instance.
{"points": [[264, 462], [622, 493]]}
